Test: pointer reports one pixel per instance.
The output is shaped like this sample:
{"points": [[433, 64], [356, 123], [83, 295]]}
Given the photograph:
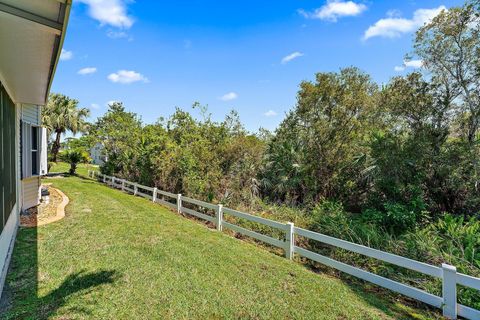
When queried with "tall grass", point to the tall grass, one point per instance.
{"points": [[449, 239]]}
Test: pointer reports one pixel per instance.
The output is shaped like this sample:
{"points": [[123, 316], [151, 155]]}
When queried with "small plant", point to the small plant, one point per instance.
{"points": [[50, 165], [74, 157]]}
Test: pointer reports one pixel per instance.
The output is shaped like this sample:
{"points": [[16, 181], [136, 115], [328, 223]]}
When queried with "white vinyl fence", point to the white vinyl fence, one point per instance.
{"points": [[447, 273]]}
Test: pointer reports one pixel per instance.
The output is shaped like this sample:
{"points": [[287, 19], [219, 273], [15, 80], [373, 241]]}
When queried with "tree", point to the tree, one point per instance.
{"points": [[120, 133], [309, 157], [85, 142], [449, 47], [74, 157], [62, 114]]}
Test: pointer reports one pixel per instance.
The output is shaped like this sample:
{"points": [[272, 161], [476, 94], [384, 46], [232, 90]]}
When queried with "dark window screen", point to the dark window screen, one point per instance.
{"points": [[8, 185], [35, 151]]}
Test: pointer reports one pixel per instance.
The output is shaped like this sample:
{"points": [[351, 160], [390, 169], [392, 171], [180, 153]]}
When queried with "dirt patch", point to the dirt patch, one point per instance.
{"points": [[46, 213]]}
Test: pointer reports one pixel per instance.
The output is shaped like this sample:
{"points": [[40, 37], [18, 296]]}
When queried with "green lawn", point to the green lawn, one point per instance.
{"points": [[82, 169], [116, 256]]}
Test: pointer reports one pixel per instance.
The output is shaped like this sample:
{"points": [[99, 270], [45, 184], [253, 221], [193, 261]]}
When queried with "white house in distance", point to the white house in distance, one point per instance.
{"points": [[31, 38], [97, 153]]}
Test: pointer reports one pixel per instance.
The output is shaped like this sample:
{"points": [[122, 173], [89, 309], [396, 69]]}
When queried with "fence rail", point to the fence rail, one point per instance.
{"points": [[447, 273]]}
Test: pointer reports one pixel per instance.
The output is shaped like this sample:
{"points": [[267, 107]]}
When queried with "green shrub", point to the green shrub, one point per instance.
{"points": [[74, 157], [452, 240]]}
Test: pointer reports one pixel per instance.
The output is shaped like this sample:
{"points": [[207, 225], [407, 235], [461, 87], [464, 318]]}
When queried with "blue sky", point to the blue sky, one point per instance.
{"points": [[244, 55]]}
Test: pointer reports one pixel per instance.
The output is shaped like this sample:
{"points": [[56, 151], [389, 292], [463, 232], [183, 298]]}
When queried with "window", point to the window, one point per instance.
{"points": [[8, 181], [30, 150], [34, 152]]}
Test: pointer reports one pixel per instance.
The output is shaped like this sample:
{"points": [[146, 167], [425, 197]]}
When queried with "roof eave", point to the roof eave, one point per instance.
{"points": [[58, 47]]}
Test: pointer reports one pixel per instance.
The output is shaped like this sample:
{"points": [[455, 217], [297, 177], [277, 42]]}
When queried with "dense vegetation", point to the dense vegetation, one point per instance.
{"points": [[394, 167]]}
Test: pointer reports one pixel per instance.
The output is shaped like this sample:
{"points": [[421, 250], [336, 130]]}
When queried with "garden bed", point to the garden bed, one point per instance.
{"points": [[47, 212]]}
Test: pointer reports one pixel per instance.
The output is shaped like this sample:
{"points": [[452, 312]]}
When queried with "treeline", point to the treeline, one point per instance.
{"points": [[201, 158], [393, 166]]}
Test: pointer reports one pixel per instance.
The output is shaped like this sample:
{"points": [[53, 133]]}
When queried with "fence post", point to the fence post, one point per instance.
{"points": [[135, 189], [123, 184], [219, 217], [449, 289], [289, 241], [154, 196], [179, 203], [104, 179]]}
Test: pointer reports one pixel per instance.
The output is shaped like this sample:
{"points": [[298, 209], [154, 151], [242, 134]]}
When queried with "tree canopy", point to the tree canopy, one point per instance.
{"points": [[62, 114]]}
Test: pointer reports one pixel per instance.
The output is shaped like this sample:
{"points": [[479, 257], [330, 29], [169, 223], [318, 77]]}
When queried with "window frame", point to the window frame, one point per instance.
{"points": [[8, 164], [28, 169]]}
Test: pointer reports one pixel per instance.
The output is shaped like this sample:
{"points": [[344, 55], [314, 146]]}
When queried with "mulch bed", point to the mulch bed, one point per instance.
{"points": [[44, 212]]}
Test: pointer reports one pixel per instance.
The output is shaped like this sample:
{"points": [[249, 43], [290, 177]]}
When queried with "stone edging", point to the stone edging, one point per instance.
{"points": [[60, 210]]}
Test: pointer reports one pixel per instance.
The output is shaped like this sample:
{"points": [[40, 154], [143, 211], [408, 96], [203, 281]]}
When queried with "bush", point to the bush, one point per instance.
{"points": [[74, 157], [396, 218], [450, 239]]}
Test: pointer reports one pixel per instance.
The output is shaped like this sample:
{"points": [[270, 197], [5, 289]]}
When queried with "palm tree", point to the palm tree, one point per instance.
{"points": [[62, 114], [74, 157]]}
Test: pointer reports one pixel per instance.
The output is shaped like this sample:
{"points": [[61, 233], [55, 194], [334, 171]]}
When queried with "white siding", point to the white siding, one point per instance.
{"points": [[19, 174], [31, 114], [97, 153], [30, 192], [30, 186], [7, 240], [43, 152]]}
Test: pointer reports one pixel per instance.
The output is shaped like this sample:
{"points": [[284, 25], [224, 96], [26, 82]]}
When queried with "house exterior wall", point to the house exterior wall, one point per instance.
{"points": [[30, 192], [30, 51], [7, 239], [97, 153], [43, 152], [7, 235], [31, 114]]}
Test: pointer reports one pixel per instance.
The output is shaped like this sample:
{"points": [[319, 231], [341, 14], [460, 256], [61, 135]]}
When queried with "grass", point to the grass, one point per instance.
{"points": [[82, 169], [115, 256]]}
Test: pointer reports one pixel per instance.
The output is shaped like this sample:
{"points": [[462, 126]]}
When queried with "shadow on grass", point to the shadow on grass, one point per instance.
{"points": [[79, 282], [21, 299]]}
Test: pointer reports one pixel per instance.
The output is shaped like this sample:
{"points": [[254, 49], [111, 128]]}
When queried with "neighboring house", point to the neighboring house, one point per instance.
{"points": [[97, 153], [31, 38]]}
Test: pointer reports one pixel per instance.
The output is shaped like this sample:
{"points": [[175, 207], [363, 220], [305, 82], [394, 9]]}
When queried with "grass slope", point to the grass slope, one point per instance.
{"points": [[82, 169], [115, 256]]}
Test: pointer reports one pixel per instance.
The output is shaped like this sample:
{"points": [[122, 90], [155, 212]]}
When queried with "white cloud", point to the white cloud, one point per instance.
{"points": [[415, 64], [110, 12], [126, 77], [229, 96], [116, 34], [393, 27], [291, 56], [335, 9], [87, 70], [66, 55], [94, 106], [270, 113]]}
